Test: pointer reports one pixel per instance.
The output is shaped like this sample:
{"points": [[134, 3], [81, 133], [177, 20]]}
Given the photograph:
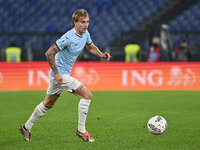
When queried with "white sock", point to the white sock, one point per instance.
{"points": [[82, 113], [38, 112]]}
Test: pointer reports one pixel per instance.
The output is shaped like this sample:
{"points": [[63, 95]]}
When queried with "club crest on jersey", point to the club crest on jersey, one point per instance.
{"points": [[63, 41]]}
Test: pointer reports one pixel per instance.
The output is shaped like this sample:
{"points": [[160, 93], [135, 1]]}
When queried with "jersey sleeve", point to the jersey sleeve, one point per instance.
{"points": [[88, 40], [63, 42]]}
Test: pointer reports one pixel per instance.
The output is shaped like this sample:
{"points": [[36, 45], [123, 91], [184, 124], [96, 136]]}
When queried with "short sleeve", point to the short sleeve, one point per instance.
{"points": [[63, 42], [89, 40]]}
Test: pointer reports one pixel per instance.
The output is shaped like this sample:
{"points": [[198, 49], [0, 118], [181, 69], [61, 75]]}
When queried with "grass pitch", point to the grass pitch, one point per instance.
{"points": [[117, 120]]}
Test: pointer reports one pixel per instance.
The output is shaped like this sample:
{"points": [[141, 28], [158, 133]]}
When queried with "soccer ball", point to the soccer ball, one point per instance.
{"points": [[157, 125]]}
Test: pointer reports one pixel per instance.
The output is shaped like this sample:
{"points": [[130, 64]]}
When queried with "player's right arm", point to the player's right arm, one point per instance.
{"points": [[50, 55]]}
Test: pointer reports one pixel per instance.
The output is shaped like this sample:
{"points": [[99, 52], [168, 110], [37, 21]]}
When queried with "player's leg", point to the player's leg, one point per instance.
{"points": [[72, 85], [41, 109], [38, 112], [85, 98]]}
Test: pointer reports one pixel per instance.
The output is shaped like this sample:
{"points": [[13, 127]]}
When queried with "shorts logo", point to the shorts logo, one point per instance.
{"points": [[74, 83]]}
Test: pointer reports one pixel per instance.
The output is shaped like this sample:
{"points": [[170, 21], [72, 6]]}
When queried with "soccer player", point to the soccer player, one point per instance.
{"points": [[61, 57]]}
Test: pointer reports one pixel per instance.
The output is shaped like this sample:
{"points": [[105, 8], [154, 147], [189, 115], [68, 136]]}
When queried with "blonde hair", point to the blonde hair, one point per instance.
{"points": [[77, 14]]}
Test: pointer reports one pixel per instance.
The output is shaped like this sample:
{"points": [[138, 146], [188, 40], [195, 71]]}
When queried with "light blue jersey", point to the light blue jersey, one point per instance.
{"points": [[70, 45]]}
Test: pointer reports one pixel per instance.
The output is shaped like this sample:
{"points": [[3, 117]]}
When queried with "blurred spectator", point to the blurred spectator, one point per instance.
{"points": [[13, 53], [183, 53], [131, 51], [154, 53], [165, 44]]}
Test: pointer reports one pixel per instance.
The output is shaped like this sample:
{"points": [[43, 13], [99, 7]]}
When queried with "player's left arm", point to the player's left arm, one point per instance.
{"points": [[94, 50]]}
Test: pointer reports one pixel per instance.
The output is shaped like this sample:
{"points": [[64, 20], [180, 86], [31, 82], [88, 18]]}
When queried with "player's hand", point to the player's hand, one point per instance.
{"points": [[106, 56], [58, 78]]}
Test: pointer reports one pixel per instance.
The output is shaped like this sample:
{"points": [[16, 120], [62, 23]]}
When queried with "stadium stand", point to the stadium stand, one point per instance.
{"points": [[38, 23], [189, 22]]}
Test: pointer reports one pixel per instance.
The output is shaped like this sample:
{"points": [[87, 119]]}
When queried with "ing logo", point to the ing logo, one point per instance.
{"points": [[86, 76], [179, 76]]}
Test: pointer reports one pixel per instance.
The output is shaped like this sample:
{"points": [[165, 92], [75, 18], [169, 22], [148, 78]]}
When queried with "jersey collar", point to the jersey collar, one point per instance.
{"points": [[77, 33]]}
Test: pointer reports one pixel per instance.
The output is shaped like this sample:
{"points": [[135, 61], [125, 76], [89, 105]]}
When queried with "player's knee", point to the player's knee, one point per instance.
{"points": [[50, 100], [49, 105], [88, 96]]}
